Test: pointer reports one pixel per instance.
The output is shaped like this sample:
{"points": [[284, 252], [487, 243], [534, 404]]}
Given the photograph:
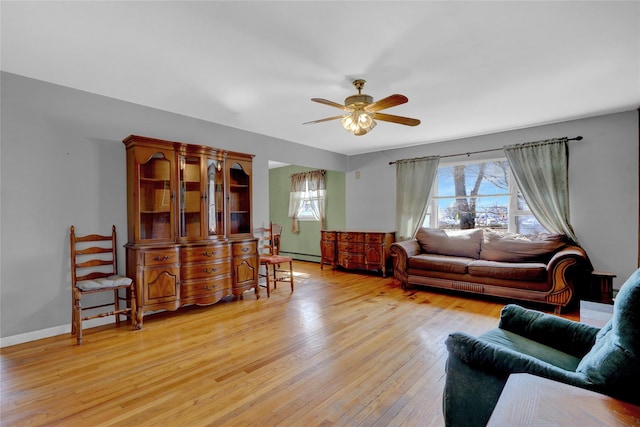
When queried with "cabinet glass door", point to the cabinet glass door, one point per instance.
{"points": [[190, 197], [215, 197], [239, 200], [155, 199]]}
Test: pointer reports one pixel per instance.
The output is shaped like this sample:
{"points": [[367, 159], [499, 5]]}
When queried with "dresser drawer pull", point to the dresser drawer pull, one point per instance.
{"points": [[209, 288], [246, 249], [161, 258], [207, 253], [206, 270]]}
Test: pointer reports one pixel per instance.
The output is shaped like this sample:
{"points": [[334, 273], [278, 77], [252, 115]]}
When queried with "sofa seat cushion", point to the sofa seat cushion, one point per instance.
{"points": [[511, 247], [531, 271], [462, 243], [445, 263], [522, 345]]}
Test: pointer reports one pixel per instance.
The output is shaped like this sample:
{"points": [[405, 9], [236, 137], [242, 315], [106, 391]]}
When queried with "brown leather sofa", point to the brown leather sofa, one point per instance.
{"points": [[542, 269]]}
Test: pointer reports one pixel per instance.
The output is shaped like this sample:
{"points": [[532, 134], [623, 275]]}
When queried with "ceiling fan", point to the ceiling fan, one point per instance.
{"points": [[362, 112]]}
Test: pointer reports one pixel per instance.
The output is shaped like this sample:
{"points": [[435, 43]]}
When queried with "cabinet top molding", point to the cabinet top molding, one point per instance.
{"points": [[178, 146]]}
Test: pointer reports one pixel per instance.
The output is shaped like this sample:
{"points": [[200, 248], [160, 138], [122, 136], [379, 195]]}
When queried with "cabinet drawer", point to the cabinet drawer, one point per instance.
{"points": [[197, 288], [350, 247], [245, 248], [160, 256], [374, 238], [350, 260], [205, 270], [204, 253], [328, 236], [351, 237]]}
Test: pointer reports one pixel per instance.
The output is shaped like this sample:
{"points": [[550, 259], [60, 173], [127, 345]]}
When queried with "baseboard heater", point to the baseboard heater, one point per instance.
{"points": [[293, 255]]}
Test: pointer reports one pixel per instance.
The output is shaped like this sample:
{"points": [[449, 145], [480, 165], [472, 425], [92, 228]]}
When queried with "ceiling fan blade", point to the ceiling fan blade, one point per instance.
{"points": [[396, 119], [330, 103], [323, 120], [388, 102]]}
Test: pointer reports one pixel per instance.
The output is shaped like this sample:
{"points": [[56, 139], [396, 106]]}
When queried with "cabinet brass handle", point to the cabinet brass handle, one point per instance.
{"points": [[206, 270], [245, 249], [161, 258], [208, 288], [207, 253]]}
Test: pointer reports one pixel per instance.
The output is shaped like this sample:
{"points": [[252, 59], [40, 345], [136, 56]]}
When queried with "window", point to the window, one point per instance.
{"points": [[479, 195], [308, 210], [307, 197]]}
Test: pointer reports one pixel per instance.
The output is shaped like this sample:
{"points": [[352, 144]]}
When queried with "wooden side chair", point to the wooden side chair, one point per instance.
{"points": [[271, 259], [94, 269]]}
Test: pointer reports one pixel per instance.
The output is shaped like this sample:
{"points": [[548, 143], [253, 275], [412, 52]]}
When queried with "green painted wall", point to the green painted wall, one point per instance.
{"points": [[304, 245]]}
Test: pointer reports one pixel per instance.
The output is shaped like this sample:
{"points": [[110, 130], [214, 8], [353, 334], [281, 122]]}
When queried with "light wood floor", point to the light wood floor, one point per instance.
{"points": [[344, 349]]}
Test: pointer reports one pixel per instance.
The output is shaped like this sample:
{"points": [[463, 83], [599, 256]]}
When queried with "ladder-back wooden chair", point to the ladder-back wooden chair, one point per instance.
{"points": [[271, 259], [276, 233], [94, 269]]}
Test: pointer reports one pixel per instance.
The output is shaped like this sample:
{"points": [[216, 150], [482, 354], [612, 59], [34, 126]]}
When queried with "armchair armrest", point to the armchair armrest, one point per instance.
{"points": [[502, 361], [562, 334]]}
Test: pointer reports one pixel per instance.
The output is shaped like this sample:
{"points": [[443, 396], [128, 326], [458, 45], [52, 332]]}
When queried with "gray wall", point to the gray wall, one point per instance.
{"points": [[603, 183], [63, 163]]}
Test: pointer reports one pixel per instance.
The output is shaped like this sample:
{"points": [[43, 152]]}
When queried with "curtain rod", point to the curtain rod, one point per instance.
{"points": [[577, 138]]}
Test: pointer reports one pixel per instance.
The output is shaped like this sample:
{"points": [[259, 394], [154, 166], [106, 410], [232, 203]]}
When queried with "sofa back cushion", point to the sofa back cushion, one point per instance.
{"points": [[511, 247], [464, 243]]}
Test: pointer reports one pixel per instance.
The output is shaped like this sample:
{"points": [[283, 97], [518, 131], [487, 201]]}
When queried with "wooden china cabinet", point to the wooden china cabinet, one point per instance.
{"points": [[189, 224]]}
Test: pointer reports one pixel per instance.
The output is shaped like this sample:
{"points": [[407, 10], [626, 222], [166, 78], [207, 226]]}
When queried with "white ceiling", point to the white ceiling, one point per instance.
{"points": [[468, 68]]}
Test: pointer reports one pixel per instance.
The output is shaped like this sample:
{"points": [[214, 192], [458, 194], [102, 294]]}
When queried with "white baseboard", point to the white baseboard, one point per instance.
{"points": [[51, 332]]}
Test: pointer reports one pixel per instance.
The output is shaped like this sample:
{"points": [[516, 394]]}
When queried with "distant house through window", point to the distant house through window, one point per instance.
{"points": [[479, 194]]}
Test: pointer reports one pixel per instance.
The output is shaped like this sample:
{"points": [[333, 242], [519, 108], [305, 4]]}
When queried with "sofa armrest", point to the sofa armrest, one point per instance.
{"points": [[402, 251], [570, 252], [493, 358], [570, 337]]}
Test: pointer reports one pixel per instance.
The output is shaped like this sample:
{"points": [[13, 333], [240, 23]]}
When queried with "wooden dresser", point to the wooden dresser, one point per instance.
{"points": [[355, 249]]}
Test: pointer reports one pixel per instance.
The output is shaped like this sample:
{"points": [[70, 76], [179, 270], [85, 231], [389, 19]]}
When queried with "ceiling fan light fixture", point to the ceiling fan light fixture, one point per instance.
{"points": [[361, 111], [359, 122]]}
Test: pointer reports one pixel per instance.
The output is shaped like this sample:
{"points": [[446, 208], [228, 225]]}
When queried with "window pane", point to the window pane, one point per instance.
{"points": [[492, 212], [490, 177], [528, 224]]}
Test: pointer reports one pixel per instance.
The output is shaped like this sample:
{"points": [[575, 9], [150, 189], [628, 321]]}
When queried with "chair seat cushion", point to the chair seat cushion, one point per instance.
{"points": [[274, 259], [104, 282]]}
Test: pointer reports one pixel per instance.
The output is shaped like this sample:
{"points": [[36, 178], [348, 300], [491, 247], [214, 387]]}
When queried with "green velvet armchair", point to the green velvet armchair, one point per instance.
{"points": [[605, 360]]}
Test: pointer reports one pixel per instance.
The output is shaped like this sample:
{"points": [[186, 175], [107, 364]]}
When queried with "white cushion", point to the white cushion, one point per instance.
{"points": [[87, 285], [104, 282], [118, 280]]}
